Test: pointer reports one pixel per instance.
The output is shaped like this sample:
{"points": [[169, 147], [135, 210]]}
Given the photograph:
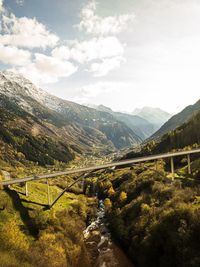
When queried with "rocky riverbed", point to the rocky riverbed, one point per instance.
{"points": [[103, 250]]}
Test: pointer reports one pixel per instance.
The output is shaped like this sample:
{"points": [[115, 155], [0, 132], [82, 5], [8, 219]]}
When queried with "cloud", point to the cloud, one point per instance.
{"points": [[14, 56], [97, 48], [91, 23], [53, 66], [108, 51], [26, 32], [46, 69], [29, 33], [86, 51], [62, 52], [104, 52], [102, 68], [97, 55], [93, 93]]}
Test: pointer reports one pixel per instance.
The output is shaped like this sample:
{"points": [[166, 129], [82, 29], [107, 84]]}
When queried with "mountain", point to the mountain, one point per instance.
{"points": [[177, 120], [140, 126], [23, 137], [156, 116], [41, 126], [186, 135]]}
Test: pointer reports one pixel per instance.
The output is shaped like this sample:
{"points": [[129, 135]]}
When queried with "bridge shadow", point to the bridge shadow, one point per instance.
{"points": [[33, 202], [29, 201], [29, 222]]}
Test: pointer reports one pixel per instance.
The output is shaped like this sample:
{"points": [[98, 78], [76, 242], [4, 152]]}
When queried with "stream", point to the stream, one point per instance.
{"points": [[103, 250]]}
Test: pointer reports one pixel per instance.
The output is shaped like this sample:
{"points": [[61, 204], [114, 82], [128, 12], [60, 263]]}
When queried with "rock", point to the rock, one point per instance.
{"points": [[103, 243], [95, 236]]}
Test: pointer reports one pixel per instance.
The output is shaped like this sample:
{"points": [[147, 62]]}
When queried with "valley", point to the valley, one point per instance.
{"points": [[137, 215], [99, 133]]}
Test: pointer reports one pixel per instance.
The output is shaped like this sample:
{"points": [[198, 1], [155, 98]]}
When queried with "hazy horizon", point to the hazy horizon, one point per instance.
{"points": [[124, 55]]}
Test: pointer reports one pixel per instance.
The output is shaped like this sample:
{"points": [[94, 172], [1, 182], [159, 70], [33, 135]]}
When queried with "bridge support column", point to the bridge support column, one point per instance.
{"points": [[189, 163], [172, 166], [48, 193], [156, 165], [26, 189], [84, 185]]}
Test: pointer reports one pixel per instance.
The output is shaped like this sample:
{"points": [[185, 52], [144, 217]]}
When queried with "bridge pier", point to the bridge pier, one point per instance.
{"points": [[84, 185], [26, 189], [172, 166], [189, 163], [48, 193], [156, 165]]}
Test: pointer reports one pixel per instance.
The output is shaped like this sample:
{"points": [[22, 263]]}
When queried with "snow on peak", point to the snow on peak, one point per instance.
{"points": [[20, 84], [16, 87]]}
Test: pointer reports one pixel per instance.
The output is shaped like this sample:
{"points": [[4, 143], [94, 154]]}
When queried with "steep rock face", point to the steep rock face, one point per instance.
{"points": [[81, 129], [177, 120]]}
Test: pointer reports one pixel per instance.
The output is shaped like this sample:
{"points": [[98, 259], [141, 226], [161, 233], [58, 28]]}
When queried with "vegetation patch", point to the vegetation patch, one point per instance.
{"points": [[155, 218]]}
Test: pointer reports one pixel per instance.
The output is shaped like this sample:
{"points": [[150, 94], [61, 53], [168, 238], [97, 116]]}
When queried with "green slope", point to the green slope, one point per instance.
{"points": [[187, 134], [26, 137], [31, 235], [177, 120]]}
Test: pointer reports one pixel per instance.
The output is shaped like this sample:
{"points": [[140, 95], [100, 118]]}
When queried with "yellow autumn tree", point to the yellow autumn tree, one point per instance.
{"points": [[123, 196], [111, 191], [107, 204], [13, 236], [53, 253], [1, 178]]}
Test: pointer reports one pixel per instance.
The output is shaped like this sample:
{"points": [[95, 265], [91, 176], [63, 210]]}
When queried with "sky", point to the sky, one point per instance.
{"points": [[122, 54]]}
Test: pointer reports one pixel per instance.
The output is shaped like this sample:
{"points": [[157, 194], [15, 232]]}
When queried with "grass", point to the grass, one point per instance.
{"points": [[34, 234], [38, 198]]}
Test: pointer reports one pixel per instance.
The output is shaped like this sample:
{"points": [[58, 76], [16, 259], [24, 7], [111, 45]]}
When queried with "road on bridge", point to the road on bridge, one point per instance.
{"points": [[100, 167]]}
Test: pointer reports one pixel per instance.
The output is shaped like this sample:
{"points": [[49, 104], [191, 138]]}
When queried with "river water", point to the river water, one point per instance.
{"points": [[103, 250]]}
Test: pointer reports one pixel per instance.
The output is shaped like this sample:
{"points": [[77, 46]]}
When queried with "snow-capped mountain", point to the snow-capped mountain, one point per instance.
{"points": [[93, 124], [15, 86]]}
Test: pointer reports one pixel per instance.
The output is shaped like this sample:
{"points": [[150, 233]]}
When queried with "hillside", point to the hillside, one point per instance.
{"points": [[153, 215], [43, 138], [177, 120], [31, 235], [142, 127], [187, 135], [155, 218], [33, 120]]}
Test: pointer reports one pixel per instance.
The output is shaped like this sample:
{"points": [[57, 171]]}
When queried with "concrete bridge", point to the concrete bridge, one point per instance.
{"points": [[87, 170]]}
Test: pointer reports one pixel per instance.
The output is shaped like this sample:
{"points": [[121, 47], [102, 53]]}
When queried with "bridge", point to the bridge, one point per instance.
{"points": [[88, 170]]}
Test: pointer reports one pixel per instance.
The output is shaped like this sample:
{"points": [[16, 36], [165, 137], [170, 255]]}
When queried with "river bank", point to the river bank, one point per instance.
{"points": [[103, 251]]}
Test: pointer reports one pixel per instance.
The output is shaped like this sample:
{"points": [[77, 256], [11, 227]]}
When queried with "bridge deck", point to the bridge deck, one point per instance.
{"points": [[100, 167]]}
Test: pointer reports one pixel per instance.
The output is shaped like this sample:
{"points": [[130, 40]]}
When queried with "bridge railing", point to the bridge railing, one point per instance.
{"points": [[90, 169], [105, 166]]}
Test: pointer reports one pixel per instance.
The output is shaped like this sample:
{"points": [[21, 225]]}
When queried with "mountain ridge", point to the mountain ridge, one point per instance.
{"points": [[177, 120], [142, 127], [156, 116], [84, 130]]}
